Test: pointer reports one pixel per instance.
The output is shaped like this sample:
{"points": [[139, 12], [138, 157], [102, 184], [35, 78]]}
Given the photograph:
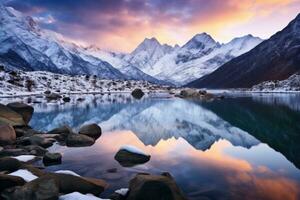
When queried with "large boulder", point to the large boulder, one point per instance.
{"points": [[129, 156], [9, 164], [158, 187], [69, 183], [23, 109], [52, 158], [8, 116], [137, 93], [91, 130], [79, 140], [8, 181], [43, 188], [7, 134]]}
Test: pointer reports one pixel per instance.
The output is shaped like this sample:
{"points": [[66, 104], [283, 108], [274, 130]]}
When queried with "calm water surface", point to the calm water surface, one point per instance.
{"points": [[242, 147]]}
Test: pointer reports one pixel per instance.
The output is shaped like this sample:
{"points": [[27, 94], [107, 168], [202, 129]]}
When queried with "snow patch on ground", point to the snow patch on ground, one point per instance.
{"points": [[133, 149], [25, 158], [67, 172], [25, 174], [122, 191], [79, 196]]}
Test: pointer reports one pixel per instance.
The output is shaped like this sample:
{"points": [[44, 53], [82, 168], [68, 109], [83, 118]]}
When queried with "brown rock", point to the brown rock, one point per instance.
{"points": [[7, 134], [8, 116], [158, 187], [7, 181], [79, 140], [23, 109]]}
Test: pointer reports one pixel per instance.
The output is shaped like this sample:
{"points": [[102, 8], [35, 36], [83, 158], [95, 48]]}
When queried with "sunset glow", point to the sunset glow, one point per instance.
{"points": [[122, 24]]}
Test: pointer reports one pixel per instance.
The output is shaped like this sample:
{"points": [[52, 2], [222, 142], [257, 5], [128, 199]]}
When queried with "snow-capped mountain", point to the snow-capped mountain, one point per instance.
{"points": [[198, 57], [274, 59], [117, 61], [166, 119], [147, 54], [26, 46]]}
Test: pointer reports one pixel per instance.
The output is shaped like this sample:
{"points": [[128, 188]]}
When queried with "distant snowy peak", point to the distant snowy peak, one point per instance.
{"points": [[201, 41]]}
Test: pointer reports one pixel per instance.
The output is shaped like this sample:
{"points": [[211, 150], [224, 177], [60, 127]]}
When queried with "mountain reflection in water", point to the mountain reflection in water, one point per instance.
{"points": [[236, 148]]}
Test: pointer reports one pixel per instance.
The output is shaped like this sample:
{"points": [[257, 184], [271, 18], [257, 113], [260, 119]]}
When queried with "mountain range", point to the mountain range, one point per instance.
{"points": [[277, 58], [26, 46]]}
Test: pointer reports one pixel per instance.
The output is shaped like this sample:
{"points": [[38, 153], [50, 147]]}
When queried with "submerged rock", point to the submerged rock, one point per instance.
{"points": [[91, 130], [52, 159], [129, 156], [7, 134], [158, 187], [8, 116], [79, 140], [23, 109], [137, 93]]}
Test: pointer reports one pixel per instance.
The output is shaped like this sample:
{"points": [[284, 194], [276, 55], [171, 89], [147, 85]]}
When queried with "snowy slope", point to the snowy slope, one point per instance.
{"points": [[200, 56], [117, 61], [25, 46], [147, 54]]}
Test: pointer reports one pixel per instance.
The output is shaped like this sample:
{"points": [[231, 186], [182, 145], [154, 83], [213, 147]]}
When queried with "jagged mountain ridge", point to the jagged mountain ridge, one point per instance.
{"points": [[274, 59], [200, 56], [27, 47]]}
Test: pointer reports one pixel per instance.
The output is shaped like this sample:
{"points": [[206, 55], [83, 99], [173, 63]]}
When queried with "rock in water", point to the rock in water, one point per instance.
{"points": [[79, 140], [129, 156], [158, 187], [43, 188], [7, 181], [7, 134], [23, 109], [66, 99], [91, 130], [52, 159], [137, 93], [8, 116]]}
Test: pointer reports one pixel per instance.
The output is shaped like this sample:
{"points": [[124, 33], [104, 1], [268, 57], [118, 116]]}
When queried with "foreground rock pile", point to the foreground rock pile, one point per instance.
{"points": [[20, 179]]}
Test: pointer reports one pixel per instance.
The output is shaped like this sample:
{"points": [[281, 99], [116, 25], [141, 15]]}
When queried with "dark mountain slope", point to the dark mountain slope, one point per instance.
{"points": [[274, 59]]}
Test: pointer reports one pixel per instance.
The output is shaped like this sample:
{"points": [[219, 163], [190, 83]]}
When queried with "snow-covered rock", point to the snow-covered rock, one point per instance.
{"points": [[133, 149], [79, 196], [25, 158], [122, 191], [291, 84], [67, 172], [25, 174]]}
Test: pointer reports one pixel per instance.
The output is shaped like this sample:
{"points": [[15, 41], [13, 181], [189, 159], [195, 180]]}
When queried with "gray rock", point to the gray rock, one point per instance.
{"points": [[23, 109], [64, 131], [66, 99], [158, 187], [91, 130], [52, 159], [128, 159], [79, 140], [137, 93], [53, 96]]}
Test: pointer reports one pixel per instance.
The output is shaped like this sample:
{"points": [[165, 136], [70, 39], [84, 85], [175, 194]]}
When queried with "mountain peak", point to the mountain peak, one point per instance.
{"points": [[200, 40]]}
